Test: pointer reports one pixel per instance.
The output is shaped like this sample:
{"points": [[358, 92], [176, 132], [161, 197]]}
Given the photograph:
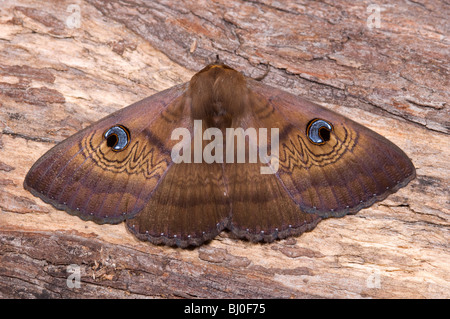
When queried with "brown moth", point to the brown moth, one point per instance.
{"points": [[121, 168]]}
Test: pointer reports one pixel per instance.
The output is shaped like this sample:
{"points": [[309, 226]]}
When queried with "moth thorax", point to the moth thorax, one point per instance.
{"points": [[219, 94]]}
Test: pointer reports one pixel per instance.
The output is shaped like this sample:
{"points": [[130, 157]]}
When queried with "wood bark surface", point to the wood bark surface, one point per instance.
{"points": [[58, 74]]}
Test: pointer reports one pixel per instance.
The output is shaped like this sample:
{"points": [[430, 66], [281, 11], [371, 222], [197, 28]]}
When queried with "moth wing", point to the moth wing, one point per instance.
{"points": [[84, 176], [262, 210], [189, 207], [353, 169]]}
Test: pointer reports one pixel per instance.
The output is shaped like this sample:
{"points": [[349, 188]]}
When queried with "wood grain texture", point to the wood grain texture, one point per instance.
{"points": [[56, 80]]}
